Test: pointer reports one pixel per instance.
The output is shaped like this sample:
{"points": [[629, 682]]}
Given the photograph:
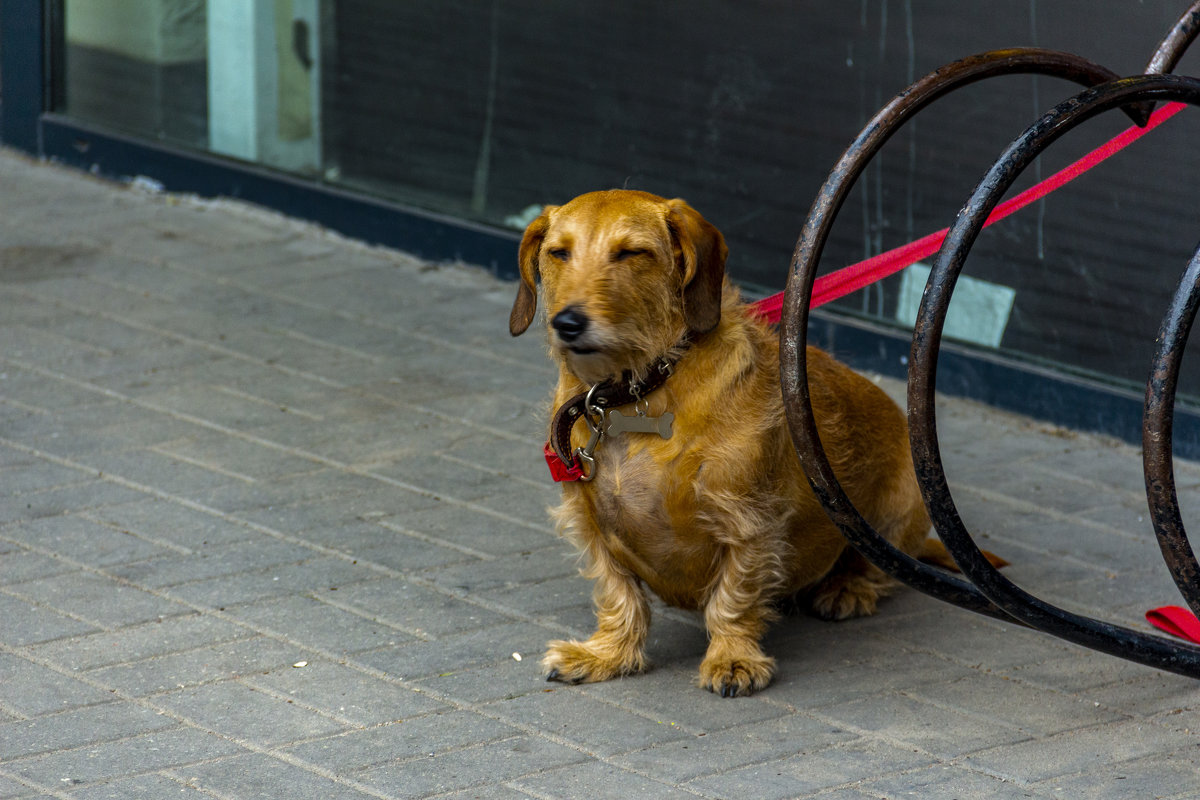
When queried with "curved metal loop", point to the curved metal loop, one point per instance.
{"points": [[1106, 637], [1157, 426], [1173, 45], [798, 294]]}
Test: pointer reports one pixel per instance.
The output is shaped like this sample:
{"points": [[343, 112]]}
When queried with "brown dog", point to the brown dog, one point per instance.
{"points": [[719, 516]]}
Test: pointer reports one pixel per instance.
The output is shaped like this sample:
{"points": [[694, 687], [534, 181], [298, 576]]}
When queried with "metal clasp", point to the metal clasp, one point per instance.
{"points": [[593, 415]]}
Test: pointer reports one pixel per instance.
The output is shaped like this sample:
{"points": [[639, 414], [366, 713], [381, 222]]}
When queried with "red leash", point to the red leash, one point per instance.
{"points": [[1175, 620], [856, 276], [864, 273]]}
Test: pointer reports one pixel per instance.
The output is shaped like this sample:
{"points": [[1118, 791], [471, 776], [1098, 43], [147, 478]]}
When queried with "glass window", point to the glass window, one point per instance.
{"points": [[487, 109]]}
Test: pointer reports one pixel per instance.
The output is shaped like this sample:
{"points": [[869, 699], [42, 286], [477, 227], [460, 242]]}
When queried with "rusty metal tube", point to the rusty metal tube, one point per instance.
{"points": [[794, 329], [1157, 427], [1106, 637]]}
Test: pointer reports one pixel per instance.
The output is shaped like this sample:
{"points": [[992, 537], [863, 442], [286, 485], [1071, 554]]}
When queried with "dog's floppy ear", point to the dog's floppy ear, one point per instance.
{"points": [[701, 252], [525, 305]]}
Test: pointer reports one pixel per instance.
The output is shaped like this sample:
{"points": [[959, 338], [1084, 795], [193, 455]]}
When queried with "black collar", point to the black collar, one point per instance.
{"points": [[606, 395]]}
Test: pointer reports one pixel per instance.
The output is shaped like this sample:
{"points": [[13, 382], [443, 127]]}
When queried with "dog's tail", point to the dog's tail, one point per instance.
{"points": [[932, 551]]}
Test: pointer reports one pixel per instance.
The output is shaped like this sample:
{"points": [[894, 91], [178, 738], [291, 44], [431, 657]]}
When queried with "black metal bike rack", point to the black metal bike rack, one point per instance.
{"points": [[982, 588]]}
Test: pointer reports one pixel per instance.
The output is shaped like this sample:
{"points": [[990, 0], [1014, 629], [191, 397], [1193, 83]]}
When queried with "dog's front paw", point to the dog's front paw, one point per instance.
{"points": [[737, 674], [589, 662]]}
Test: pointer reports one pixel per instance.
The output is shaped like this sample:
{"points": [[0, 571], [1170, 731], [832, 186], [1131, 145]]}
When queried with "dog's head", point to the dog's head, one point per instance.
{"points": [[624, 276]]}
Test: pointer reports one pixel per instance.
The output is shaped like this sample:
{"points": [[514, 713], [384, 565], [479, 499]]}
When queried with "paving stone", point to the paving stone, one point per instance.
{"points": [[524, 465], [414, 608], [1121, 598], [1077, 751], [27, 689], [237, 411], [11, 457], [972, 639], [330, 484], [99, 600], [239, 457], [257, 553], [811, 771], [342, 692], [1028, 708], [1079, 671], [480, 764], [603, 729], [600, 781], [313, 575], [323, 520], [441, 477], [545, 596], [402, 551], [40, 391], [140, 787], [944, 732], [669, 695], [486, 792], [509, 571], [93, 445], [504, 679], [243, 714], [945, 780], [729, 748], [140, 642], [11, 789], [83, 541], [25, 478], [1148, 694], [356, 437], [260, 775], [26, 624], [319, 624], [165, 521], [77, 728], [459, 652], [160, 749], [217, 662], [91, 494], [169, 475], [1159, 775], [821, 668], [465, 526], [19, 565], [421, 737]]}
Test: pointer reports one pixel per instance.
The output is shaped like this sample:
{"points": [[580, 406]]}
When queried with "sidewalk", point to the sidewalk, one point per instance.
{"points": [[272, 524]]}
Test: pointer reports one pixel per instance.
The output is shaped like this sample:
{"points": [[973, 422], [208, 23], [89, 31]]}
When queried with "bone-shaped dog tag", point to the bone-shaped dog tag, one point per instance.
{"points": [[619, 423]]}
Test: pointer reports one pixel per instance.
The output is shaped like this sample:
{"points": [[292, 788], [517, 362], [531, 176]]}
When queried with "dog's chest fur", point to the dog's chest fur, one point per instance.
{"points": [[635, 504], [630, 507]]}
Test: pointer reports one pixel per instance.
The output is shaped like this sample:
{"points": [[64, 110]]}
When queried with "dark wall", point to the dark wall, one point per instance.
{"points": [[484, 108]]}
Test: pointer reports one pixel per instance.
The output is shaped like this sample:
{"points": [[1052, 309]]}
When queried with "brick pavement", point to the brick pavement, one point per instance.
{"points": [[272, 525]]}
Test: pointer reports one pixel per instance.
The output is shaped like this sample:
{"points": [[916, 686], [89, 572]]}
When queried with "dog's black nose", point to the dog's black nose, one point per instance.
{"points": [[570, 323]]}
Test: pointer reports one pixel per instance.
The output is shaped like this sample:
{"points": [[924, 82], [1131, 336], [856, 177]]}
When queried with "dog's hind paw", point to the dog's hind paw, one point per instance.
{"points": [[588, 662], [743, 675], [845, 596]]}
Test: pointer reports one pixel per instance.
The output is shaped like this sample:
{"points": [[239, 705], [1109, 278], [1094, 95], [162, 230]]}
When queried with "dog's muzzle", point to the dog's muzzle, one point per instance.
{"points": [[570, 325]]}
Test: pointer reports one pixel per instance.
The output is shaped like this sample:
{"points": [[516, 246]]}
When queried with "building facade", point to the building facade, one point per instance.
{"points": [[443, 126]]}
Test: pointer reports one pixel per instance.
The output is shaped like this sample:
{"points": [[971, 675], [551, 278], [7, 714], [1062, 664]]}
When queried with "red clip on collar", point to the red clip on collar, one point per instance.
{"points": [[559, 469]]}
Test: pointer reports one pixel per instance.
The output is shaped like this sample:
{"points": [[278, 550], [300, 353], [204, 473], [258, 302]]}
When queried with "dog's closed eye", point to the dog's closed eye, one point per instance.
{"points": [[627, 253], [561, 253]]}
